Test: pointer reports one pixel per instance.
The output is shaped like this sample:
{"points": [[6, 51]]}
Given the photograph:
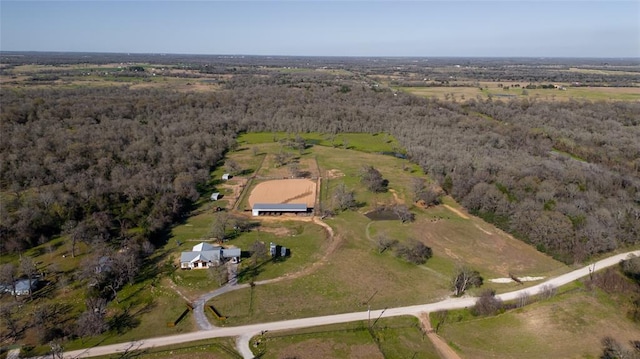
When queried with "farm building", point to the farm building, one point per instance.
{"points": [[215, 196], [226, 176], [264, 208], [22, 287], [205, 255]]}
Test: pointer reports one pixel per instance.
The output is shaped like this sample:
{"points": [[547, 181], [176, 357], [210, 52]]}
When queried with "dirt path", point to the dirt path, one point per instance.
{"points": [[442, 347], [333, 245], [173, 286], [395, 196], [199, 304], [456, 211]]}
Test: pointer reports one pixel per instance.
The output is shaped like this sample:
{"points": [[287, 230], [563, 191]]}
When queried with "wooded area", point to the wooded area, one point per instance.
{"points": [[113, 164]]}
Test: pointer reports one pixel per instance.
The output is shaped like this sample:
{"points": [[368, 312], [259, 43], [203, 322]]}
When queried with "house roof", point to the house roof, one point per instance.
{"points": [[231, 252], [202, 246], [204, 256], [293, 207]]}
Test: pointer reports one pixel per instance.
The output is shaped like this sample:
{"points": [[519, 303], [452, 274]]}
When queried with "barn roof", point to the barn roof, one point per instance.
{"points": [[280, 206]]}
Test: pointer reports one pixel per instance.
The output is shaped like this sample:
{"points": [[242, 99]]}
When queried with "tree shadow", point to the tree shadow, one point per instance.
{"points": [[123, 322]]}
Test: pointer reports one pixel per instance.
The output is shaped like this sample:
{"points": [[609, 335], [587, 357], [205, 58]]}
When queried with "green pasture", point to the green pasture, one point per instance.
{"points": [[365, 142], [461, 94], [356, 269]]}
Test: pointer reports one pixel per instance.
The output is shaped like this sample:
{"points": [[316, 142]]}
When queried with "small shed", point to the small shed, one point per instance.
{"points": [[22, 287], [215, 196], [226, 176]]}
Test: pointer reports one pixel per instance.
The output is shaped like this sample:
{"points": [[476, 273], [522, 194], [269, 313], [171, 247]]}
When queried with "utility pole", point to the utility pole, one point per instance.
{"points": [[380, 316], [369, 306]]}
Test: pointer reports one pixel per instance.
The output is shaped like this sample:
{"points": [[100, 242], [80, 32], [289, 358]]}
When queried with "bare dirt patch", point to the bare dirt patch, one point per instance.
{"points": [[442, 347], [284, 191], [281, 232], [334, 173], [462, 215], [395, 196], [236, 185]]}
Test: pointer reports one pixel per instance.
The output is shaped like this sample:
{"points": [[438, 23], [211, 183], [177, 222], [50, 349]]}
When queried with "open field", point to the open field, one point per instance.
{"points": [[584, 93], [284, 191], [356, 270], [103, 75], [390, 338], [570, 325], [364, 142]]}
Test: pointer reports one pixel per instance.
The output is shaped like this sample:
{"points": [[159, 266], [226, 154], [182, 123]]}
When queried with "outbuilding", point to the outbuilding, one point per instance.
{"points": [[226, 176], [263, 208], [215, 196]]}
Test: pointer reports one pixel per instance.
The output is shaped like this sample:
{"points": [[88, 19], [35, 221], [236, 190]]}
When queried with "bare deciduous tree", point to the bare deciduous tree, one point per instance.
{"points": [[440, 318], [28, 268], [219, 273], [384, 242], [523, 299], [219, 225], [414, 251], [258, 252], [547, 291], [8, 316], [343, 198], [487, 303], [373, 180], [8, 276], [403, 213], [464, 279], [93, 321]]}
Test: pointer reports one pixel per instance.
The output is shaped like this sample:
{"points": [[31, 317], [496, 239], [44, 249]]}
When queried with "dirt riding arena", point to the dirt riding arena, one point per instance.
{"points": [[284, 191]]}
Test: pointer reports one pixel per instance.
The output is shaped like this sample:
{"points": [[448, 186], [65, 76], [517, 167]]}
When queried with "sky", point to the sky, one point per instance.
{"points": [[507, 28]]}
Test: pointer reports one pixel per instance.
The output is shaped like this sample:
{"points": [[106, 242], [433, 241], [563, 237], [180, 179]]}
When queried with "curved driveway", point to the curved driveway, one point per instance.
{"points": [[245, 332]]}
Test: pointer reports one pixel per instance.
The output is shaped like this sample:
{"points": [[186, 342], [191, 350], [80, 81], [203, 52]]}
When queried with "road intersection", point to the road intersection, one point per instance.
{"points": [[246, 332]]}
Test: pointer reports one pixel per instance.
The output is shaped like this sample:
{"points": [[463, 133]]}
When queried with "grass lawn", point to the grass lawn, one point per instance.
{"points": [[391, 338], [218, 348]]}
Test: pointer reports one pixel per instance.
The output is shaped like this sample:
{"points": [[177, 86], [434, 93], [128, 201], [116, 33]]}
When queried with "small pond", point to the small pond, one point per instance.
{"points": [[382, 214]]}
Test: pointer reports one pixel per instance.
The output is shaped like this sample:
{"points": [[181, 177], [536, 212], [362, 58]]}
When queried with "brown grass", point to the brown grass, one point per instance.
{"points": [[284, 191]]}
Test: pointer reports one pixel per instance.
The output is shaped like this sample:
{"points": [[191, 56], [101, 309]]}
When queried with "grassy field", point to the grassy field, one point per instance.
{"points": [[364, 142], [355, 269], [583, 93], [94, 75], [569, 325], [390, 338]]}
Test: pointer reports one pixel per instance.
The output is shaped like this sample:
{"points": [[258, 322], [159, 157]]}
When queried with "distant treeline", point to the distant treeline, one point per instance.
{"points": [[561, 176]]}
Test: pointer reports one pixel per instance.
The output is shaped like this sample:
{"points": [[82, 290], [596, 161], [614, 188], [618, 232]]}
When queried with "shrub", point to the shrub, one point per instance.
{"points": [[414, 252]]}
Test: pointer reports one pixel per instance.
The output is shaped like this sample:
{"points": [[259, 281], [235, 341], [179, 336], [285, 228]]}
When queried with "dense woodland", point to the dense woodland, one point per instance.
{"points": [[114, 165]]}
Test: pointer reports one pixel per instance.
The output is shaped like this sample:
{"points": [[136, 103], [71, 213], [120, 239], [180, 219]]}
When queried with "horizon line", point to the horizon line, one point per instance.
{"points": [[316, 56]]}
